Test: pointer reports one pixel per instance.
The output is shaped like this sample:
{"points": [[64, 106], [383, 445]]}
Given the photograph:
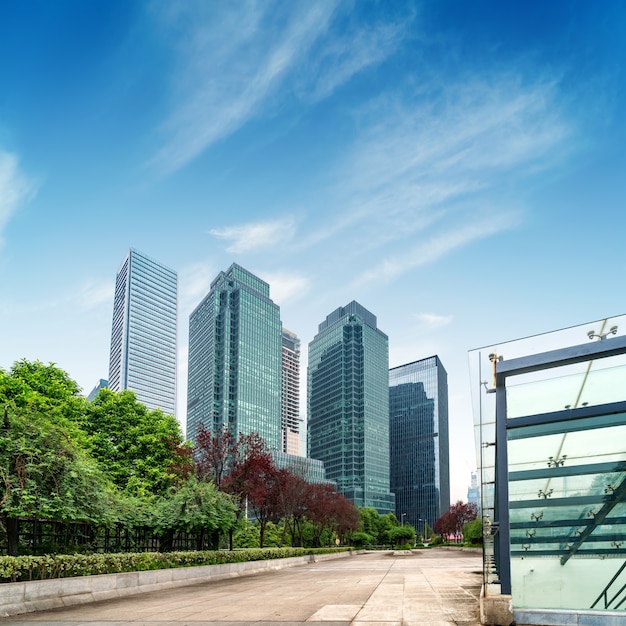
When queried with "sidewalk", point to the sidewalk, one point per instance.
{"points": [[427, 587]]}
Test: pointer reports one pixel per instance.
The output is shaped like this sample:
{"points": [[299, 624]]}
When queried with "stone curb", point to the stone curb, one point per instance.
{"points": [[39, 595]]}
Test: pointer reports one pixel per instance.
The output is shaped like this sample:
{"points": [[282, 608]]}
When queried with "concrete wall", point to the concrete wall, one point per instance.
{"points": [[38, 595]]}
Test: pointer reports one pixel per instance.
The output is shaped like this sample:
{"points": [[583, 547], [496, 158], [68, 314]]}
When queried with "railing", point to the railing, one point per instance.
{"points": [[614, 602]]}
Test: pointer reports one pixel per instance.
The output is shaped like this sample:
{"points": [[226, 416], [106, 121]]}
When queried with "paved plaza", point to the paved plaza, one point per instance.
{"points": [[425, 587]]}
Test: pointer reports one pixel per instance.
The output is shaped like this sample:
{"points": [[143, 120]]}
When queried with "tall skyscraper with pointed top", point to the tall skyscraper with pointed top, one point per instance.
{"points": [[235, 359], [143, 335], [348, 405]]}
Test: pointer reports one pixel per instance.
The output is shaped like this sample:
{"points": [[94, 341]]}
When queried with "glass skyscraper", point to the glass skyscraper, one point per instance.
{"points": [[291, 393], [348, 405], [419, 447], [235, 359], [143, 336]]}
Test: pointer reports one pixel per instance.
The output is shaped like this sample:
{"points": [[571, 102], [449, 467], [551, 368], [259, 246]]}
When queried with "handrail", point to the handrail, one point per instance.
{"points": [[605, 591]]}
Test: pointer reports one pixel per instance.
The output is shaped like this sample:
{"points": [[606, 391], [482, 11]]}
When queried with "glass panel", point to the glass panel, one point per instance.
{"points": [[583, 384], [567, 506]]}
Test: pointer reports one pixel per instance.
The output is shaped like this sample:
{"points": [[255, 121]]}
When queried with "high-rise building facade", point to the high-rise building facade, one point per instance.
{"points": [[419, 448], [235, 359], [291, 393], [473, 491], [143, 337], [348, 405]]}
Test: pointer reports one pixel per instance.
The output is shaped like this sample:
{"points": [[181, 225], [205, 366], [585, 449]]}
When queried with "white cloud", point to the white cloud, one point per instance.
{"points": [[233, 59], [285, 286], [194, 282], [15, 188], [427, 159], [438, 246], [94, 294], [433, 321], [248, 237]]}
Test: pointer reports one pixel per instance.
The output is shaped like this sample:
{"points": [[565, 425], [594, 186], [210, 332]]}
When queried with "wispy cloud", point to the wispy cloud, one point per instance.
{"points": [[194, 282], [286, 286], [233, 59], [433, 320], [427, 160], [438, 246], [248, 237], [96, 293], [15, 188]]}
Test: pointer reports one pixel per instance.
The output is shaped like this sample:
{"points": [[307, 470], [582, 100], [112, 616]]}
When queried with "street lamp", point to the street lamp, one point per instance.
{"points": [[419, 519], [403, 516]]}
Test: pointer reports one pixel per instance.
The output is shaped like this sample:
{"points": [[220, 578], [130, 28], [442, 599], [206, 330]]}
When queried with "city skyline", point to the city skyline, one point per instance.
{"points": [[456, 168]]}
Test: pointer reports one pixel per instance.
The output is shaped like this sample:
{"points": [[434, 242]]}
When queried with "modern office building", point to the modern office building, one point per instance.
{"points": [[418, 436], [348, 405], [235, 359], [101, 384], [143, 337], [473, 492], [550, 426], [290, 423]]}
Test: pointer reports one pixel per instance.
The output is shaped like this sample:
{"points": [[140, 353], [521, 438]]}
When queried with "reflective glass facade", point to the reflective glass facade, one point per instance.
{"points": [[551, 429], [348, 405], [143, 337], [418, 440], [235, 359]]}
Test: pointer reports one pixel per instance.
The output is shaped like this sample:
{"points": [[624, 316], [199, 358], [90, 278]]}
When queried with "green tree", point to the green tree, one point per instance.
{"points": [[473, 532], [141, 449], [197, 506], [402, 535], [44, 471]]}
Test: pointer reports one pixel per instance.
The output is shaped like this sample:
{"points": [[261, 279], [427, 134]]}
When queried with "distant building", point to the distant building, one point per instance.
{"points": [[348, 405], [143, 336], [473, 492], [312, 470], [419, 448], [235, 359], [102, 384], [290, 415]]}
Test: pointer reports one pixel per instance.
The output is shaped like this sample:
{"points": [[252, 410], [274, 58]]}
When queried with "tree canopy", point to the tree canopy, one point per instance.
{"points": [[143, 450]]}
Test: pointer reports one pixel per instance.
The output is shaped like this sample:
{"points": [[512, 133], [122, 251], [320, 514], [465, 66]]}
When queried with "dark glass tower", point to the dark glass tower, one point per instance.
{"points": [[419, 448], [348, 405], [143, 336], [235, 359]]}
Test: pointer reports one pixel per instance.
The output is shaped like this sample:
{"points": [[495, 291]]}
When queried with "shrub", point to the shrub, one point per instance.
{"points": [[20, 568]]}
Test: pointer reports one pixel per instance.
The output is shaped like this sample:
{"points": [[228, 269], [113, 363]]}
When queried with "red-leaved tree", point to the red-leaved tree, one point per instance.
{"points": [[453, 520]]}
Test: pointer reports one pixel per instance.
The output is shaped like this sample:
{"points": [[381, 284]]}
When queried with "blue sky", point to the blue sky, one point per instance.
{"points": [[458, 168]]}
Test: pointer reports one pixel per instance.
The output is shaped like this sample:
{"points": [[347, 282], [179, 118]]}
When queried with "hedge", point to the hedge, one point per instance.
{"points": [[21, 568]]}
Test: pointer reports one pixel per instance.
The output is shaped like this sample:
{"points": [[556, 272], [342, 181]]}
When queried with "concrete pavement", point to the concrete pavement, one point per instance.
{"points": [[435, 587]]}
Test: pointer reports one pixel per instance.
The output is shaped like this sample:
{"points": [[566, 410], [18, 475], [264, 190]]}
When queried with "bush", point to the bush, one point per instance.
{"points": [[20, 568], [360, 539], [473, 532]]}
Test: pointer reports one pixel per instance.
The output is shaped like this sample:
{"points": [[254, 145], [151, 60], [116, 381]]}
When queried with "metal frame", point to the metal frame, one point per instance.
{"points": [[523, 365]]}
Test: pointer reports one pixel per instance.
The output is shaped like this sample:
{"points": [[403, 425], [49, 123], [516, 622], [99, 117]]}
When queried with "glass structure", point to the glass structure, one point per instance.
{"points": [[312, 470], [348, 405], [235, 359], [290, 414], [418, 441], [143, 337], [550, 423]]}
